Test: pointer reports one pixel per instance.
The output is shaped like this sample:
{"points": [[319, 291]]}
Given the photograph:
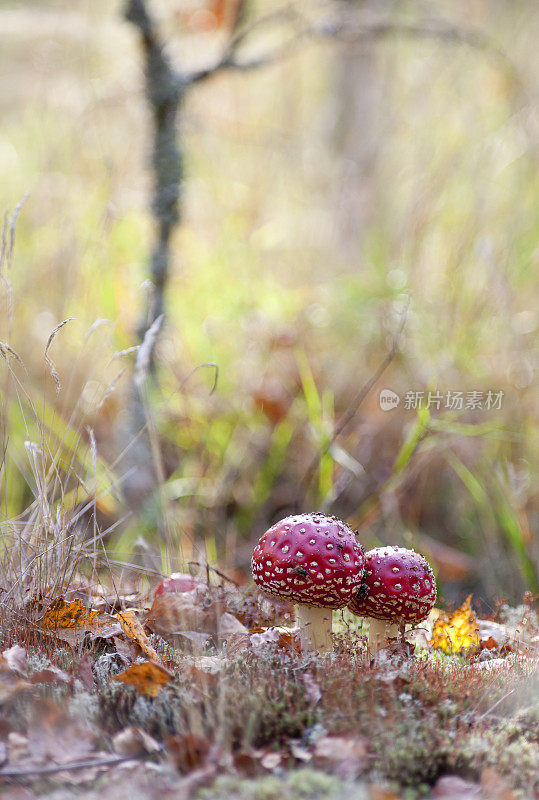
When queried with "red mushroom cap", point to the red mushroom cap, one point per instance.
{"points": [[310, 559], [177, 582], [399, 586]]}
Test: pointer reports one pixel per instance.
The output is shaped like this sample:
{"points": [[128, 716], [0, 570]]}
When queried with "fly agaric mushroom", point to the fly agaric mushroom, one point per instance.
{"points": [[315, 561], [177, 582], [398, 587]]}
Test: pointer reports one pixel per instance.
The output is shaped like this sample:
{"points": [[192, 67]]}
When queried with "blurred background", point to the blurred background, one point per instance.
{"points": [[355, 186]]}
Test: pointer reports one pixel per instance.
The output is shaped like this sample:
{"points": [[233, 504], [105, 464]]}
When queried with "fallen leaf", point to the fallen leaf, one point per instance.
{"points": [[285, 638], [452, 787], [17, 747], [50, 675], [132, 741], [494, 787], [147, 678], [346, 757], [379, 793], [15, 657], [494, 635], [71, 621], [134, 631], [198, 610], [11, 683], [271, 761], [247, 762], [125, 648], [456, 632], [300, 752], [187, 752], [237, 643], [54, 735], [85, 673], [229, 625]]}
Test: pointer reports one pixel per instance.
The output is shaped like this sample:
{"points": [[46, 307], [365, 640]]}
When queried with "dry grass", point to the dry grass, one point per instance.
{"points": [[296, 313]]}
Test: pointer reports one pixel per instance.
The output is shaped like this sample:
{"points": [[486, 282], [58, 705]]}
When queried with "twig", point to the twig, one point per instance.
{"points": [[352, 409], [21, 773], [348, 31], [207, 567]]}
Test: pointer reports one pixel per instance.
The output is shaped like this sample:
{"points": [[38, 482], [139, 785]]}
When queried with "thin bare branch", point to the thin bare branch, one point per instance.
{"points": [[349, 31], [52, 768]]}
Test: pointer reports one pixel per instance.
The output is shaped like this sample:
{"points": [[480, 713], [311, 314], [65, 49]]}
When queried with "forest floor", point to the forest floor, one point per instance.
{"points": [[102, 703]]}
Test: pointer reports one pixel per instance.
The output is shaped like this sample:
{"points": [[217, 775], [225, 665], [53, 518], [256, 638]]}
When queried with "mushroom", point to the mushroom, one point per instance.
{"points": [[315, 561], [177, 582], [398, 587]]}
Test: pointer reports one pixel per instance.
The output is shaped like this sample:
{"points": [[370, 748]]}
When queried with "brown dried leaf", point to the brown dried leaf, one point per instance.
{"points": [[132, 741], [134, 631], [230, 626], [147, 678], [50, 675], [285, 638], [494, 786], [452, 787], [11, 683], [344, 756], [198, 610], [188, 752], [85, 673], [494, 635], [54, 735]]}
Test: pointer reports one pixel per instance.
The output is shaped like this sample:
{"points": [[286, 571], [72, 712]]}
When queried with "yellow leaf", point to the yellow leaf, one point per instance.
{"points": [[147, 678], [458, 631], [134, 631]]}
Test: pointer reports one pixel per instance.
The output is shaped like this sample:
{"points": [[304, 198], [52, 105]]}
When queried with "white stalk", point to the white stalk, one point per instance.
{"points": [[315, 628], [377, 634], [392, 631]]}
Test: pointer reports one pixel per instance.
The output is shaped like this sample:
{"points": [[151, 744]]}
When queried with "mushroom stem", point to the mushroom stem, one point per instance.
{"points": [[315, 628], [392, 631], [377, 634]]}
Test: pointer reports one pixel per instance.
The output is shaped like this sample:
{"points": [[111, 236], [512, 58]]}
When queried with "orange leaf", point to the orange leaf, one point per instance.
{"points": [[70, 621], [147, 678], [457, 632], [134, 631]]}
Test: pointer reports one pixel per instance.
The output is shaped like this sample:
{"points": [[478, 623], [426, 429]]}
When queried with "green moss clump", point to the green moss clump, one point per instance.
{"points": [[304, 784]]}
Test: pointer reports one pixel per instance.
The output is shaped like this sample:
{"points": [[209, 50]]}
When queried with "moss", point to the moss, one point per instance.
{"points": [[304, 784]]}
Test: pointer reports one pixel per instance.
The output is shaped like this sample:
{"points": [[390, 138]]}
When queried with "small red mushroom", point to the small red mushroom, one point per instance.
{"points": [[398, 587], [177, 582], [315, 561]]}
